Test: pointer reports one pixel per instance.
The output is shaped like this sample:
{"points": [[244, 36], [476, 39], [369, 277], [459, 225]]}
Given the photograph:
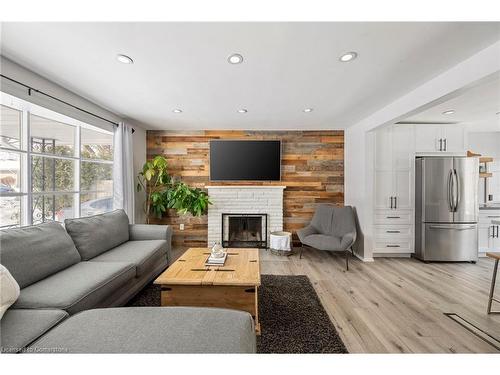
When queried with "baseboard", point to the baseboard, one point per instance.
{"points": [[363, 258]]}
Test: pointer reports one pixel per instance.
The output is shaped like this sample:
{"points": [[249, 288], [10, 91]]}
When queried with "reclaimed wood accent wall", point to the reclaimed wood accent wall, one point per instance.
{"points": [[312, 171]]}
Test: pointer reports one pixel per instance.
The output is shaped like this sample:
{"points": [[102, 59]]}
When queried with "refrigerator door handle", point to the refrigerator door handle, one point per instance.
{"points": [[456, 193], [450, 192], [451, 227]]}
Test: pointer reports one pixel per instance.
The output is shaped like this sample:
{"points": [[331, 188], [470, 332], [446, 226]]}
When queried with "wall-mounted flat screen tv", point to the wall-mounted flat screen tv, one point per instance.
{"points": [[245, 160]]}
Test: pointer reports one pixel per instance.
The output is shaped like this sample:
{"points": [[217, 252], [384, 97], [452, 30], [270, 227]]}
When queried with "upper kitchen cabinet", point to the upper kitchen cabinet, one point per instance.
{"points": [[440, 138]]}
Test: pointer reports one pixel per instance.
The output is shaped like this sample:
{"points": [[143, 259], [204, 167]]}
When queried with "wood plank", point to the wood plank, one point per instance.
{"points": [[313, 171], [397, 305]]}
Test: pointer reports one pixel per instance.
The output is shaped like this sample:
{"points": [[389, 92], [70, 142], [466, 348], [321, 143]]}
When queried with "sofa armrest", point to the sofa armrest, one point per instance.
{"points": [[144, 232], [348, 240], [307, 231]]}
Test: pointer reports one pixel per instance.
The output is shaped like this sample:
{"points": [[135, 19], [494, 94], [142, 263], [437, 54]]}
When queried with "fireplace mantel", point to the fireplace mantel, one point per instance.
{"points": [[281, 187]]}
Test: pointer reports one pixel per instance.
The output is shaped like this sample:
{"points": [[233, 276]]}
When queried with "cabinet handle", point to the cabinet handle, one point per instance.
{"points": [[395, 202], [494, 234], [391, 202], [493, 216], [440, 144], [393, 246], [393, 217], [445, 144], [393, 231]]}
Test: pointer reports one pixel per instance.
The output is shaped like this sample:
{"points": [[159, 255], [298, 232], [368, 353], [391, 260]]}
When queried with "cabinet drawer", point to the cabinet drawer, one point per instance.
{"points": [[486, 217], [393, 231], [393, 246], [393, 217]]}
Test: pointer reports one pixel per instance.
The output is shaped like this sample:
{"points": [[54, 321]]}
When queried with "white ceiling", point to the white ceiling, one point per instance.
{"points": [[476, 107], [287, 67]]}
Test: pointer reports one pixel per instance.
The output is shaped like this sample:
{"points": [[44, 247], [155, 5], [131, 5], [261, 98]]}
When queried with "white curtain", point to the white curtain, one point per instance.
{"points": [[123, 170]]}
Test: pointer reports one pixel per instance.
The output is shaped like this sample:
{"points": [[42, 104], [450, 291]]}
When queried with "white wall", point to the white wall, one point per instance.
{"points": [[21, 74]]}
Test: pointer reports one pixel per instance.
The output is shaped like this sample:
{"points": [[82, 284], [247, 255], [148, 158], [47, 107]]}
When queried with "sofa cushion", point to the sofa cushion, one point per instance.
{"points": [[21, 327], [143, 254], [79, 287], [323, 242], [9, 290], [154, 330], [35, 252], [94, 235]]}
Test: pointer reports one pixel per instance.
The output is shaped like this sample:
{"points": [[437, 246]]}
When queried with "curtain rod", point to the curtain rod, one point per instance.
{"points": [[30, 89]]}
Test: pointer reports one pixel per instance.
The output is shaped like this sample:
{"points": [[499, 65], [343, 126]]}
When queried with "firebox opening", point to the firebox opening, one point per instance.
{"points": [[244, 230]]}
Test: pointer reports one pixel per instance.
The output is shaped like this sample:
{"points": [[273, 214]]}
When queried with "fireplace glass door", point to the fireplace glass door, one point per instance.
{"points": [[244, 230]]}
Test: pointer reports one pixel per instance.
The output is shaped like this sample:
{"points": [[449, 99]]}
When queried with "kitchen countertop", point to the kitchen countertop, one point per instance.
{"points": [[496, 222], [493, 206]]}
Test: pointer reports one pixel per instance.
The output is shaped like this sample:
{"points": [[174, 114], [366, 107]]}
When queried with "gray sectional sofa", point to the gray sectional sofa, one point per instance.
{"points": [[70, 277]]}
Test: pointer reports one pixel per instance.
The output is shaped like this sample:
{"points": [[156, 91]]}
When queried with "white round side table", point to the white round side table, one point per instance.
{"points": [[280, 243]]}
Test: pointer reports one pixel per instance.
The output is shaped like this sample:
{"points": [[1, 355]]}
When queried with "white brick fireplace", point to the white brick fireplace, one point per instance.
{"points": [[244, 200]]}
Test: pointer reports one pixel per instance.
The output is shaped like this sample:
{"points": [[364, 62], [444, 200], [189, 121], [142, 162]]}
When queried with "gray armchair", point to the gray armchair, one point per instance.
{"points": [[331, 229]]}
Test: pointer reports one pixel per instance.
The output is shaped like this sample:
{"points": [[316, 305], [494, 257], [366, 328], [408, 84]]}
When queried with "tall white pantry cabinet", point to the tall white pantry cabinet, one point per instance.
{"points": [[396, 147], [393, 190]]}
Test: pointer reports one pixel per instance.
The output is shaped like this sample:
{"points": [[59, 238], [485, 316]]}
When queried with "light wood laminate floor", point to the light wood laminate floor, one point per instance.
{"points": [[397, 305]]}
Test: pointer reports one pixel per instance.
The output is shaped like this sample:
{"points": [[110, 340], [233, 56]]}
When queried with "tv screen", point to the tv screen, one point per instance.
{"points": [[245, 160]]}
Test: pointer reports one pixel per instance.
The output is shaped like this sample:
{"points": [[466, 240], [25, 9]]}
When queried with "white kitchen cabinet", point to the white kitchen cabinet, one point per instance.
{"points": [[394, 153], [489, 234], [394, 160], [439, 138], [484, 237]]}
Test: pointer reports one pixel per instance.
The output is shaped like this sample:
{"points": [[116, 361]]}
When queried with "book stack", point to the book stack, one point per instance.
{"points": [[211, 261]]}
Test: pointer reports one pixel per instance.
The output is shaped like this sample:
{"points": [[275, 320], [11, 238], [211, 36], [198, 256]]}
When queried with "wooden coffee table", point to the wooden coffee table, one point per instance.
{"points": [[188, 282]]}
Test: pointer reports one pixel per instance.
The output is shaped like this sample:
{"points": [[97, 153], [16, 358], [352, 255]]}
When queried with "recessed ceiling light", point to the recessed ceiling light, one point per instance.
{"points": [[235, 58], [242, 110], [124, 59], [449, 112], [177, 111], [349, 56], [307, 110]]}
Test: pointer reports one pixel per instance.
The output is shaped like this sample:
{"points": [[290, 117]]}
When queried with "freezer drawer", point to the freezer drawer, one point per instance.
{"points": [[448, 242]]}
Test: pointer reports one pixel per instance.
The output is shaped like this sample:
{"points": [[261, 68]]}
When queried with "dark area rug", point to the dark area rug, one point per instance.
{"points": [[291, 316]]}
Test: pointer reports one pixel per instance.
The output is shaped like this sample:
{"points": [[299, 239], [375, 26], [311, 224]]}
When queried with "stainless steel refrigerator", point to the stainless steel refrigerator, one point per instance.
{"points": [[446, 208]]}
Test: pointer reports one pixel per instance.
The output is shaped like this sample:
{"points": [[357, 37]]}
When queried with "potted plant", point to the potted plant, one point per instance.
{"points": [[164, 192]]}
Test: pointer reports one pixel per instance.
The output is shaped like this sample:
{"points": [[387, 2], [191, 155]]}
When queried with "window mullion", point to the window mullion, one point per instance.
{"points": [[26, 170]]}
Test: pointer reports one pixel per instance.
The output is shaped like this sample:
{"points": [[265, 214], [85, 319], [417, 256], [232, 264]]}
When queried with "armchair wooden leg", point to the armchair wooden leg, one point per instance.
{"points": [[347, 260], [301, 250]]}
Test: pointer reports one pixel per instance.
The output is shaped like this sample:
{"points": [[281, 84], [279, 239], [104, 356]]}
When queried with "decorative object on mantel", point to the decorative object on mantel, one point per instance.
{"points": [[164, 192], [280, 243]]}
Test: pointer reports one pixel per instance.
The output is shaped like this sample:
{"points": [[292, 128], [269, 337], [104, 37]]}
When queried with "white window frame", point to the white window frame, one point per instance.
{"points": [[26, 194]]}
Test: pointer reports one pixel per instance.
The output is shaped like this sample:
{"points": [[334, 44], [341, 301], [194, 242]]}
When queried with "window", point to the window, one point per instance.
{"points": [[52, 167]]}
